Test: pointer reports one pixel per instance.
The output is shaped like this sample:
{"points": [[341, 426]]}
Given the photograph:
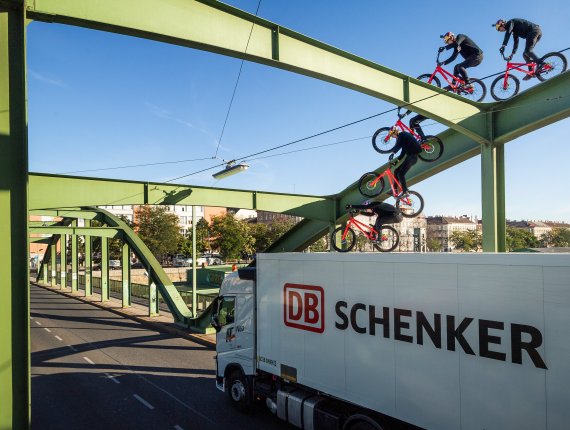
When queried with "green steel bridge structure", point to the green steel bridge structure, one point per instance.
{"points": [[473, 129]]}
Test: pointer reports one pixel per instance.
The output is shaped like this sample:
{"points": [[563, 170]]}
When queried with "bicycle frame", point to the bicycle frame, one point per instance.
{"points": [[404, 127], [394, 183], [453, 81], [367, 230]]}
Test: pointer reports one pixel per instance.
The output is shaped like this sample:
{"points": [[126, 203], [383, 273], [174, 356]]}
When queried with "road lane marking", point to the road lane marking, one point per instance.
{"points": [[38, 323], [112, 378], [143, 401], [59, 338], [47, 329], [31, 318], [177, 427], [88, 360], [72, 347]]}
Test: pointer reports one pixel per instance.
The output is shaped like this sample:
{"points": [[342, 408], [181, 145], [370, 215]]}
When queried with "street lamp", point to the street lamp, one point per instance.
{"points": [[230, 169]]}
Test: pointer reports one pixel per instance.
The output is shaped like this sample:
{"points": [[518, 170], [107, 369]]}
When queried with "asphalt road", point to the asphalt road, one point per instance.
{"points": [[92, 369]]}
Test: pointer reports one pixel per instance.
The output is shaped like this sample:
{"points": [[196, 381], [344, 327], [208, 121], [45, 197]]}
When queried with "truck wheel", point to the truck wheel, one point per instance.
{"points": [[361, 422], [239, 391]]}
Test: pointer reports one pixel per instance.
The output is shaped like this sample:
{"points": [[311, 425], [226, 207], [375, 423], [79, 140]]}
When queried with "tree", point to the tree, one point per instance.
{"points": [[433, 244], [232, 237], [266, 234], [202, 239], [558, 237], [469, 240], [321, 245], [518, 238], [159, 230]]}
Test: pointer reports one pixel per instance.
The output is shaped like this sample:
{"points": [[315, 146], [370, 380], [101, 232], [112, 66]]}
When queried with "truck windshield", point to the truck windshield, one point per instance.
{"points": [[226, 312]]}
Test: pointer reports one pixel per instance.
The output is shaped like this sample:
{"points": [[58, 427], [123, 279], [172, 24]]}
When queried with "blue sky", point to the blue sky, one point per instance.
{"points": [[100, 100]]}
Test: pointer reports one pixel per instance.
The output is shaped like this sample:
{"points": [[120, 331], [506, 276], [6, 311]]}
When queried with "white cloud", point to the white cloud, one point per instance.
{"points": [[39, 77]]}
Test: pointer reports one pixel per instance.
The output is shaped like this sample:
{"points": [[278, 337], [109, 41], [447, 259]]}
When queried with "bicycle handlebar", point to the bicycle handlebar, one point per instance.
{"points": [[507, 58]]}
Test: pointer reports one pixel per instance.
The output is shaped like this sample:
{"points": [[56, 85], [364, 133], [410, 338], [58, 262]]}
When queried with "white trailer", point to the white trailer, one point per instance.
{"points": [[372, 341]]}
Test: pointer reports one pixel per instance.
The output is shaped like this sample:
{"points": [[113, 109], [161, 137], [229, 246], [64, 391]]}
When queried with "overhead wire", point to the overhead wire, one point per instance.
{"points": [[248, 157], [236, 85]]}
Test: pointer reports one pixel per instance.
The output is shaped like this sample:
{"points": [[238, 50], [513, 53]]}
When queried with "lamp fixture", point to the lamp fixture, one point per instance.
{"points": [[230, 169]]}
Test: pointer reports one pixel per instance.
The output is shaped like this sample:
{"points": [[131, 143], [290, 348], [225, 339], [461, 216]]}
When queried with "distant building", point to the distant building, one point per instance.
{"points": [[441, 228], [265, 217], [537, 228]]}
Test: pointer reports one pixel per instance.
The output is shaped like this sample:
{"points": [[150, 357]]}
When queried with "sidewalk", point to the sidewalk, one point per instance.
{"points": [[164, 322]]}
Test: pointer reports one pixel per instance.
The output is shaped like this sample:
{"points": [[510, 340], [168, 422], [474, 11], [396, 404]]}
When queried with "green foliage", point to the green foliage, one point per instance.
{"points": [[159, 230], [434, 245], [232, 237], [203, 235], [558, 237], [469, 240], [265, 234], [518, 238], [321, 245]]}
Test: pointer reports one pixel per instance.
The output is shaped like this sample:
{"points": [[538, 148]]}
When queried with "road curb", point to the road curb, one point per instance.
{"points": [[146, 321]]}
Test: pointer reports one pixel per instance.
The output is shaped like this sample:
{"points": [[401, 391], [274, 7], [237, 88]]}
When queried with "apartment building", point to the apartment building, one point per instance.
{"points": [[441, 228]]}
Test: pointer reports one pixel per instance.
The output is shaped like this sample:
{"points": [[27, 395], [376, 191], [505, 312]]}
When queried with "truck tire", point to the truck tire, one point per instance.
{"points": [[361, 422], [239, 391]]}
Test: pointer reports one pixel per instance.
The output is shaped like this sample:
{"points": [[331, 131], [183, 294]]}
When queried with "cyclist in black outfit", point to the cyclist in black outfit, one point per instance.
{"points": [[410, 147], [414, 122], [464, 45], [526, 30], [386, 213]]}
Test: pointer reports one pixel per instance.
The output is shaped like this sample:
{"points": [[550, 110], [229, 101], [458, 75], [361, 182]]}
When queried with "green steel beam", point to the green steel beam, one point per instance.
{"points": [[537, 107], [57, 191], [160, 279], [14, 294], [37, 239], [107, 232], [214, 26]]}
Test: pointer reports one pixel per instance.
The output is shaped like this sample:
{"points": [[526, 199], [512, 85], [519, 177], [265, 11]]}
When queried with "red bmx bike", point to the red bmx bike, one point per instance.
{"points": [[474, 90], [385, 138], [345, 238], [371, 184], [508, 85]]}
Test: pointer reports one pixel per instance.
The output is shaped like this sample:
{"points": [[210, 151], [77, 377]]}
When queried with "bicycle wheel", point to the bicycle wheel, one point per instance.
{"points": [[425, 78], [475, 90], [432, 149], [388, 239], [382, 141], [501, 91], [340, 244], [554, 63], [412, 205], [369, 187]]}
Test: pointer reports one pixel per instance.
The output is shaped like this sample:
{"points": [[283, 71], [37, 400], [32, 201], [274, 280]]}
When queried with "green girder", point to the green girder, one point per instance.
{"points": [[118, 228]]}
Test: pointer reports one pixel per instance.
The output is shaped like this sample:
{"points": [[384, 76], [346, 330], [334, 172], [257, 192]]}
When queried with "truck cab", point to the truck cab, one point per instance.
{"points": [[233, 318]]}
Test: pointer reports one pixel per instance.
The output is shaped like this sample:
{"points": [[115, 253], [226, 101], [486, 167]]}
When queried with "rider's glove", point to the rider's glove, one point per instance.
{"points": [[439, 63], [502, 49], [510, 57], [441, 49]]}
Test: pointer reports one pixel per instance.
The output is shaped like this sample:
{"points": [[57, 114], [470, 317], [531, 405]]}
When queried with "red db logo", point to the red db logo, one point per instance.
{"points": [[304, 307]]}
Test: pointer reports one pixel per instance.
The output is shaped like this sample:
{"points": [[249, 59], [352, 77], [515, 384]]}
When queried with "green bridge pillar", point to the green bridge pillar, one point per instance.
{"points": [[53, 261], [126, 269], [88, 263], [74, 266], [104, 269], [63, 261], [493, 198], [14, 275]]}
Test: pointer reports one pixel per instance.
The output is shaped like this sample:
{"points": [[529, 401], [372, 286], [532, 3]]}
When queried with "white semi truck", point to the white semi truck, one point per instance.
{"points": [[382, 341]]}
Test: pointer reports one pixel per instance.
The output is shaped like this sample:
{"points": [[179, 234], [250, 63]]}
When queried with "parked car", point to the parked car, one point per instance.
{"points": [[114, 264], [212, 259], [181, 260]]}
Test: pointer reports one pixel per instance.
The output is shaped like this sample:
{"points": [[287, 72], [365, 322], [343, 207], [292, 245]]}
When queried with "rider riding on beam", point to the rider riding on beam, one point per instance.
{"points": [[464, 45], [526, 30]]}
